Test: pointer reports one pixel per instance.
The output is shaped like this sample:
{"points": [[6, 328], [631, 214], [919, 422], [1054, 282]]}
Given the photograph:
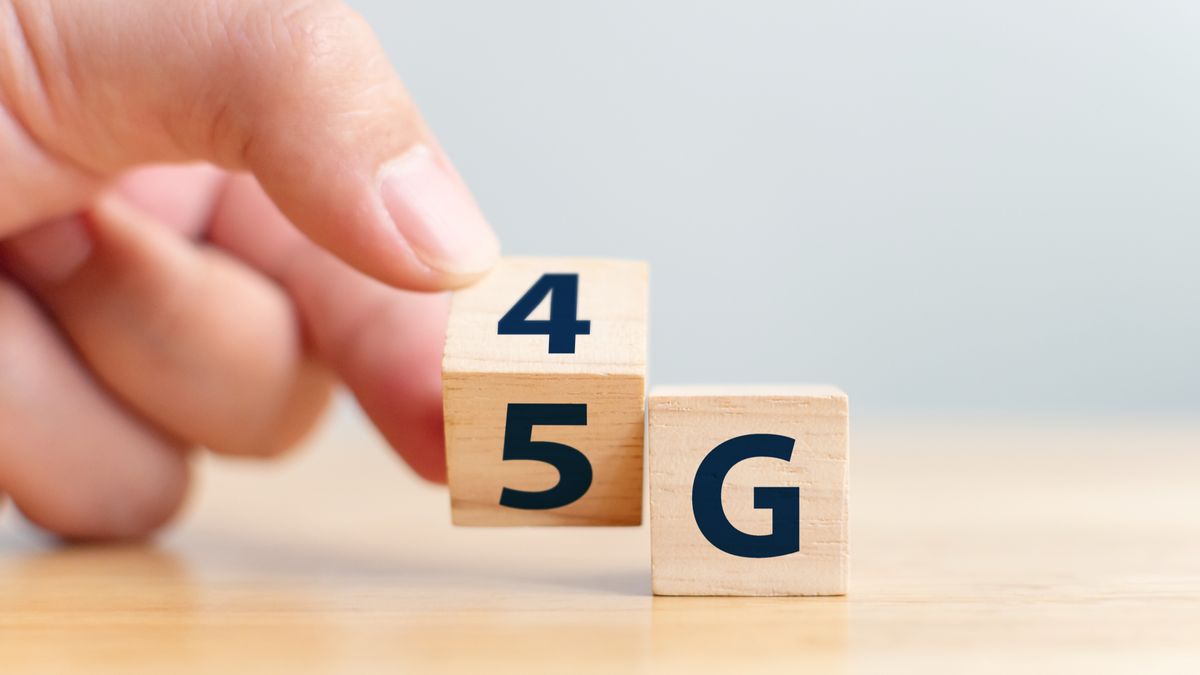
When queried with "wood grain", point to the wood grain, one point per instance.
{"points": [[982, 546], [686, 424], [483, 372]]}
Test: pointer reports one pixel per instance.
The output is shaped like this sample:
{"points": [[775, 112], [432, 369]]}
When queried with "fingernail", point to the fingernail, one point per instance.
{"points": [[436, 214], [50, 253]]}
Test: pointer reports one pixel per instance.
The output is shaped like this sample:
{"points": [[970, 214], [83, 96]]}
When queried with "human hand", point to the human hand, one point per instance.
{"points": [[146, 310]]}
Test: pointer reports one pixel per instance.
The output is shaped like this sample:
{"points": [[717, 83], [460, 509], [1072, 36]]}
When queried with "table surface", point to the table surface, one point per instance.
{"points": [[975, 545]]}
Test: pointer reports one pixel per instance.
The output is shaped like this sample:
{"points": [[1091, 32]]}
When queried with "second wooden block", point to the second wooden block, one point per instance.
{"points": [[748, 490]]}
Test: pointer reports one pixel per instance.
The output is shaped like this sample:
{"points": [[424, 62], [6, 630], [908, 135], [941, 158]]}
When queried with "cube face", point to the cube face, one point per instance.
{"points": [[714, 452], [611, 296], [511, 404], [612, 440]]}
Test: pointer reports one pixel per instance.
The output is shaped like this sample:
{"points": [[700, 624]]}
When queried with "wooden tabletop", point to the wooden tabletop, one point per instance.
{"points": [[986, 546]]}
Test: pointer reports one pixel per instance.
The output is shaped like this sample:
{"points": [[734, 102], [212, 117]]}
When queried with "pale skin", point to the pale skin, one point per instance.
{"points": [[211, 213]]}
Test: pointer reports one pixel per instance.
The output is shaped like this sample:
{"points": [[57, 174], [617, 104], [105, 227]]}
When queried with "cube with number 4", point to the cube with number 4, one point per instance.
{"points": [[544, 389]]}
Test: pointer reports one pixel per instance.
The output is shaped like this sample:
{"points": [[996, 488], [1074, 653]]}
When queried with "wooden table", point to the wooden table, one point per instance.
{"points": [[976, 546]]}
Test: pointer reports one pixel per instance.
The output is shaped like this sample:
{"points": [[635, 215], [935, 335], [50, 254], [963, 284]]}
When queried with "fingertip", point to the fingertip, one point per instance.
{"points": [[421, 444], [418, 238], [393, 366], [435, 213], [180, 196], [403, 397]]}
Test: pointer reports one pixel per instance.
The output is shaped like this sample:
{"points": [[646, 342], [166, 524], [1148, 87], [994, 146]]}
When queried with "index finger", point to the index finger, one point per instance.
{"points": [[299, 93]]}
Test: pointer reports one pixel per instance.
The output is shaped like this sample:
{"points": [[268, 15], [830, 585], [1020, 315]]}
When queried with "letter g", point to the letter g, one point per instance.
{"points": [[784, 502]]}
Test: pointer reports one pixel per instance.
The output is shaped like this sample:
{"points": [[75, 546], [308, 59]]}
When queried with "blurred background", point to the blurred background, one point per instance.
{"points": [[941, 206]]}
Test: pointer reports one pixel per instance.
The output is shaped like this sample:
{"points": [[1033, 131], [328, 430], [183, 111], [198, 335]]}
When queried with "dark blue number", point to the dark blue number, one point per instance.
{"points": [[784, 502], [574, 469], [563, 326]]}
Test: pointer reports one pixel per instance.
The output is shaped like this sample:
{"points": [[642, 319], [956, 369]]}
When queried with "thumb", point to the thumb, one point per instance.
{"points": [[297, 92]]}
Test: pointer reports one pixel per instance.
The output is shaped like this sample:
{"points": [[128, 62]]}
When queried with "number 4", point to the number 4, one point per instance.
{"points": [[563, 325]]}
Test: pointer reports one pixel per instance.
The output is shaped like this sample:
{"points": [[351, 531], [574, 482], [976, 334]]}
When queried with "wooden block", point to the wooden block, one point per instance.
{"points": [[514, 400], [725, 466]]}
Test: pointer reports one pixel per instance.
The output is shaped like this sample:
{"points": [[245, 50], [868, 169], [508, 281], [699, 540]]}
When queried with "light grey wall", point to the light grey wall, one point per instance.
{"points": [[939, 205]]}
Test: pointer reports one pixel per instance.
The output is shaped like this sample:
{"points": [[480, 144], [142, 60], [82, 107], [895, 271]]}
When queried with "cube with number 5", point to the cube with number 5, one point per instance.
{"points": [[544, 388]]}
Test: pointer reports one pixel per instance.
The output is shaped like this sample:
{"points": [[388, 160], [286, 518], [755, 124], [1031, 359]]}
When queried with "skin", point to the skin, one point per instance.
{"points": [[211, 213]]}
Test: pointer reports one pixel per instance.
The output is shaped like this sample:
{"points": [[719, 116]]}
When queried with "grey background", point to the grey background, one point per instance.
{"points": [[939, 206]]}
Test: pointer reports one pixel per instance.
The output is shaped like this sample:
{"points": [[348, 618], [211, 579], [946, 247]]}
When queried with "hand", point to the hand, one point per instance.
{"points": [[148, 309]]}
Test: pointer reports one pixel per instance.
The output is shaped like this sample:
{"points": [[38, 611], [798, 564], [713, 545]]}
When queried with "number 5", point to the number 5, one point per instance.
{"points": [[574, 470]]}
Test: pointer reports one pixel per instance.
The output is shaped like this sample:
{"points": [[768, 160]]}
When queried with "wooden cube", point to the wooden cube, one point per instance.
{"points": [[544, 393], [748, 490]]}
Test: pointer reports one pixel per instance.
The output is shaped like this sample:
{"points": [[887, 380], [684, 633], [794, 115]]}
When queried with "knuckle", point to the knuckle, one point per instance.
{"points": [[311, 67], [112, 514], [282, 432], [317, 40], [292, 54]]}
